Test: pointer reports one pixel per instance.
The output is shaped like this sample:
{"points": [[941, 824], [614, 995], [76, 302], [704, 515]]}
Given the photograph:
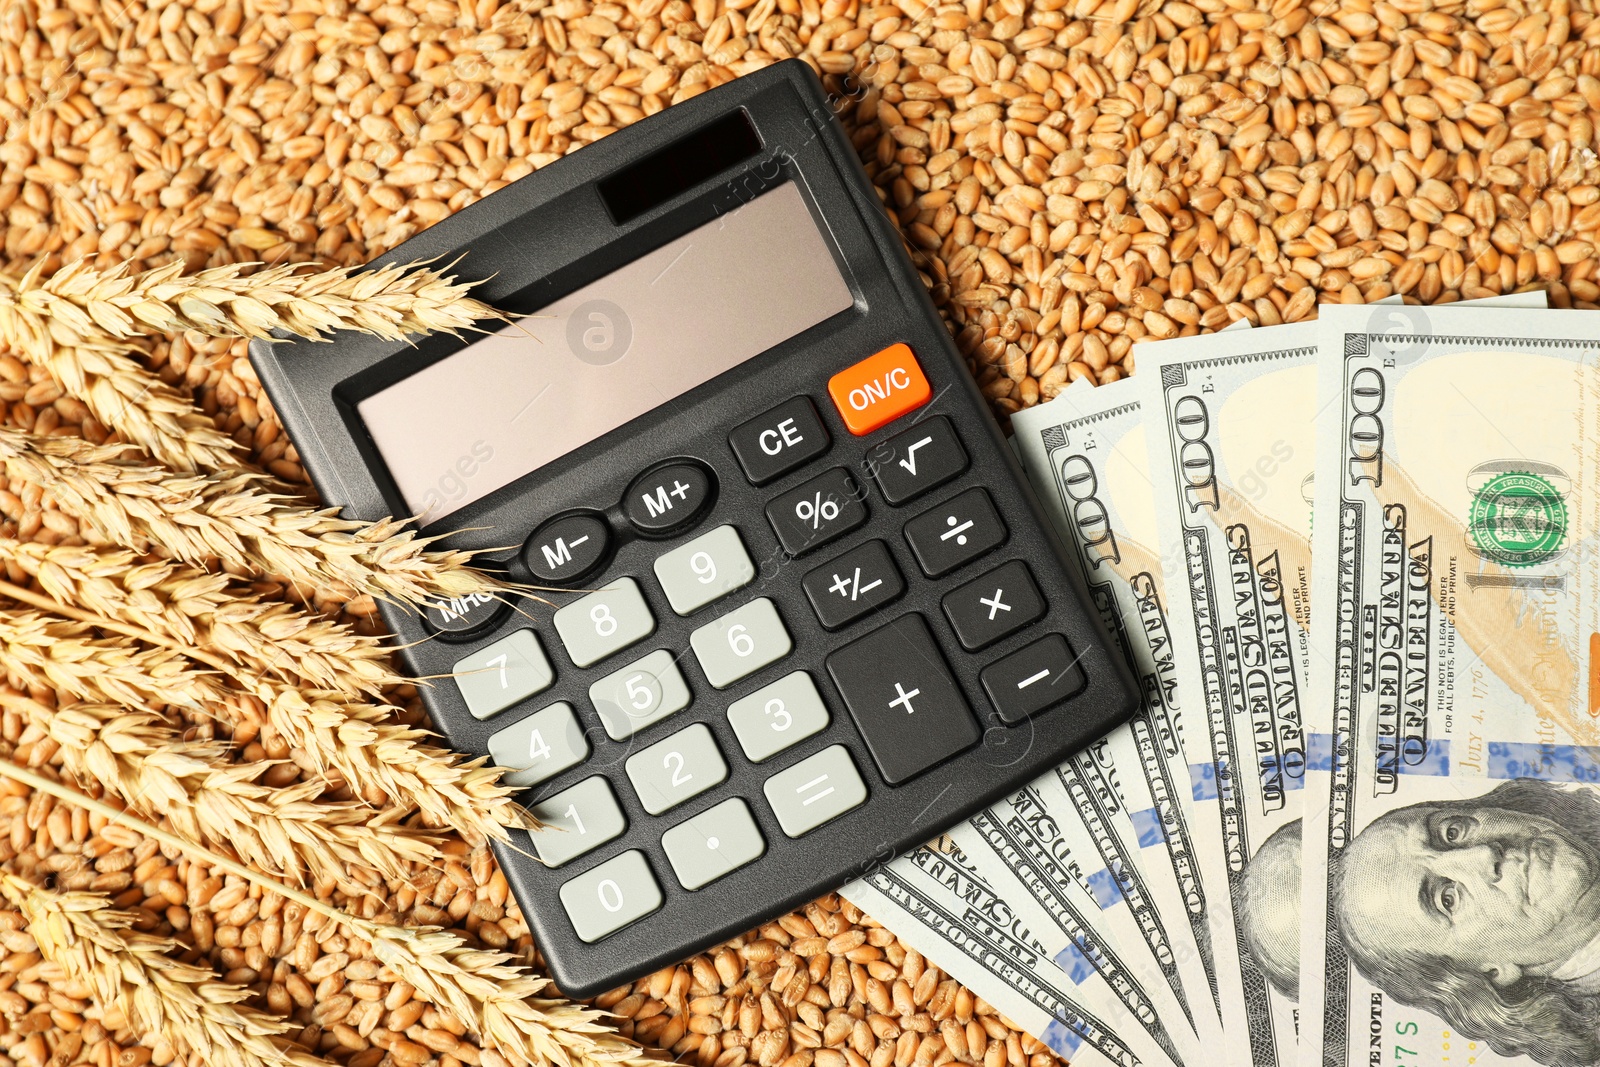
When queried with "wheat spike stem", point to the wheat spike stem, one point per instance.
{"points": [[134, 975], [118, 390], [238, 519], [285, 830], [393, 301], [504, 1005], [384, 763]]}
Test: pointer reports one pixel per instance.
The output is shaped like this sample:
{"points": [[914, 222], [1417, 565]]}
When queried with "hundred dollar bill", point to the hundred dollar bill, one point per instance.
{"points": [[1232, 461], [1452, 837], [1086, 456], [936, 900], [1038, 853]]}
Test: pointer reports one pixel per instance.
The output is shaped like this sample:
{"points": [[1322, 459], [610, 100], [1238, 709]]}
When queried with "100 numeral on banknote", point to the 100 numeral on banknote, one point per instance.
{"points": [[1452, 864]]}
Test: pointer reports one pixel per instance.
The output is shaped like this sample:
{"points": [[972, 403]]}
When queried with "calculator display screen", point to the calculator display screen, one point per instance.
{"points": [[613, 350]]}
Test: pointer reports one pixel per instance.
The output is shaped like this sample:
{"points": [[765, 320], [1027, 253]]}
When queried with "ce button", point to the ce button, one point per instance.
{"points": [[777, 441]]}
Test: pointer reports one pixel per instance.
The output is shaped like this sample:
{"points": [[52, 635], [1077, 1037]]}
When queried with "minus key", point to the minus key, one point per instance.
{"points": [[1028, 681]]}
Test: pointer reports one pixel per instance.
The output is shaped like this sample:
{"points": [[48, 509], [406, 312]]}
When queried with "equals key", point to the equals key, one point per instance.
{"points": [[854, 585]]}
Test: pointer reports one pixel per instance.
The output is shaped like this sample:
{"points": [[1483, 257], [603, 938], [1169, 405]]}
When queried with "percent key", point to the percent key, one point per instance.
{"points": [[815, 513]]}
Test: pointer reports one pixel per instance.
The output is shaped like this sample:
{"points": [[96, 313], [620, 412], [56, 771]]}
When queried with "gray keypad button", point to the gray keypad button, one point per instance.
{"points": [[619, 891], [740, 643], [675, 769], [540, 746], [606, 621], [708, 846], [815, 790], [777, 715], [645, 691], [576, 820], [711, 566], [494, 678]]}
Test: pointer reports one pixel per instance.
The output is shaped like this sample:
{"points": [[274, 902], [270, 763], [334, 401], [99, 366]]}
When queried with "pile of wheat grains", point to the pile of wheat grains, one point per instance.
{"points": [[1072, 176]]}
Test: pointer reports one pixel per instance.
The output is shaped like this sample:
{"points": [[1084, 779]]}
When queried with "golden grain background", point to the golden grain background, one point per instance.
{"points": [[1071, 175]]}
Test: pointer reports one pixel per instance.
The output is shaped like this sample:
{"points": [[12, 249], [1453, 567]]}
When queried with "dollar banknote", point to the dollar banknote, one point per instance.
{"points": [[1231, 460], [937, 901], [1036, 851], [1452, 835], [1085, 454], [1233, 463]]}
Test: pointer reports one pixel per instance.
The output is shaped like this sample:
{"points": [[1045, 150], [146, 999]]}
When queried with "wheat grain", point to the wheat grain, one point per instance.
{"points": [[238, 519], [119, 392], [504, 1005], [160, 997], [391, 301], [285, 830]]}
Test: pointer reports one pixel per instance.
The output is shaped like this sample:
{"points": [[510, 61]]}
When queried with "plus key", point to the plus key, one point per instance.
{"points": [[900, 693]]}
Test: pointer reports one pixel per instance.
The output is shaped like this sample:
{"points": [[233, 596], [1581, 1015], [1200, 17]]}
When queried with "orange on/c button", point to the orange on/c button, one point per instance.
{"points": [[879, 389]]}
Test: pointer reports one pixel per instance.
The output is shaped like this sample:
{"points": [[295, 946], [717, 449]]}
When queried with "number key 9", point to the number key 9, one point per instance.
{"points": [[705, 569]]}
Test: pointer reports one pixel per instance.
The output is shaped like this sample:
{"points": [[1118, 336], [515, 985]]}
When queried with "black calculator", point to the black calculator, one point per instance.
{"points": [[801, 611]]}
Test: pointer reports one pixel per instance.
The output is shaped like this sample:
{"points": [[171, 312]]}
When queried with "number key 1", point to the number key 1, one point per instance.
{"points": [[576, 820]]}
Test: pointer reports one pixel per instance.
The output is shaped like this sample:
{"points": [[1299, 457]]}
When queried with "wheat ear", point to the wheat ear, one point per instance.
{"points": [[504, 1005], [392, 301], [134, 974], [380, 760], [205, 614], [118, 390], [237, 519], [284, 830], [39, 650]]}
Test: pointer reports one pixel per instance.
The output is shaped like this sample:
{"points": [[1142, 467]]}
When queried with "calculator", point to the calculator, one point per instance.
{"points": [[797, 608]]}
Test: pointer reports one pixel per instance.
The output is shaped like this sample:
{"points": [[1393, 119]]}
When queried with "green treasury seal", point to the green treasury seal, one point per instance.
{"points": [[1518, 519]]}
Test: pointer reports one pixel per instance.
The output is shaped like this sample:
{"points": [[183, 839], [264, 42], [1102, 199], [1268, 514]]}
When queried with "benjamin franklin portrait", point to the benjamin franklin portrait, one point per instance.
{"points": [[1485, 912], [1269, 913]]}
